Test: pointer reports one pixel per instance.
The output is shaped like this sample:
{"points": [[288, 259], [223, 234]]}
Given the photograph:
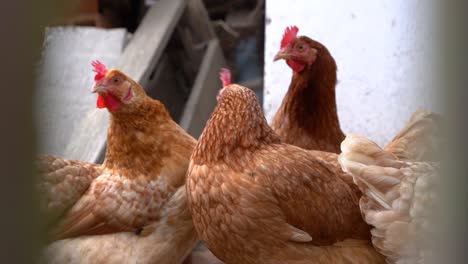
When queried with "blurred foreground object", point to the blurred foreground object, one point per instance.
{"points": [[401, 188]]}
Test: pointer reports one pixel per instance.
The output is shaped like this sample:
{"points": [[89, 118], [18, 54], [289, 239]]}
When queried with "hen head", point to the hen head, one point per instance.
{"points": [[116, 91], [300, 52], [237, 124]]}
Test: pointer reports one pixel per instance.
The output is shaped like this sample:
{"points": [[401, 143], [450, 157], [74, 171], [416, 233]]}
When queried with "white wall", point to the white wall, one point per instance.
{"points": [[383, 52]]}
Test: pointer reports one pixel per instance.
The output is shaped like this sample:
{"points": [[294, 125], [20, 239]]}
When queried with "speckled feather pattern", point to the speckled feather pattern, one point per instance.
{"points": [[307, 117], [172, 240], [134, 185], [399, 202], [62, 182], [254, 198]]}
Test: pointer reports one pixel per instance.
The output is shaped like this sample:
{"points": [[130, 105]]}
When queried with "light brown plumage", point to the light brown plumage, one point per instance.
{"points": [[172, 240], [133, 191], [400, 195], [62, 182], [420, 139], [256, 200]]}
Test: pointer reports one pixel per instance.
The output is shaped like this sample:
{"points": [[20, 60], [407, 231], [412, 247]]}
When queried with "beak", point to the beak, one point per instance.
{"points": [[98, 88], [282, 55]]}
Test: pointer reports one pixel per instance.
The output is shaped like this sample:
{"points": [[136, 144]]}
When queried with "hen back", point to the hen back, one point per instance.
{"points": [[400, 195]]}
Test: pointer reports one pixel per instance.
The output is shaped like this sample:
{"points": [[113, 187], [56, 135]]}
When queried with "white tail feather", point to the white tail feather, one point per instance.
{"points": [[397, 197]]}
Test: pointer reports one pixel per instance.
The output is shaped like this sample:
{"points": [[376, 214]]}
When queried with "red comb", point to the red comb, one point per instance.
{"points": [[225, 76], [99, 69], [289, 34]]}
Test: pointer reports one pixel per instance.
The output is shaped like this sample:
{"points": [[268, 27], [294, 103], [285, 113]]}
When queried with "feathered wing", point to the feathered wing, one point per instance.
{"points": [[114, 204], [171, 240], [296, 202], [306, 191], [399, 197], [317, 204], [62, 183], [419, 139]]}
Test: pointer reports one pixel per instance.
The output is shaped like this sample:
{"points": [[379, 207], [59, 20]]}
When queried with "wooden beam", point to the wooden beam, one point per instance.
{"points": [[202, 99], [149, 41]]}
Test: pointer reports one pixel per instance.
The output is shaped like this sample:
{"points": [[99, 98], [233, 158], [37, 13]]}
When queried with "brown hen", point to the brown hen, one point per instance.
{"points": [[307, 117], [138, 190], [256, 200]]}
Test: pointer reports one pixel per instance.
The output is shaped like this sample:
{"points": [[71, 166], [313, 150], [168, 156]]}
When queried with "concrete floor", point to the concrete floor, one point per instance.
{"points": [[384, 54]]}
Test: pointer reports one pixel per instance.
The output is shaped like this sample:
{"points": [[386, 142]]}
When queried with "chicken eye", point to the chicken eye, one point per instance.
{"points": [[115, 80]]}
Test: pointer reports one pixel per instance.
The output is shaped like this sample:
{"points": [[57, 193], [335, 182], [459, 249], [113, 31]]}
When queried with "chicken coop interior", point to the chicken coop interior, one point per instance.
{"points": [[239, 132], [173, 48]]}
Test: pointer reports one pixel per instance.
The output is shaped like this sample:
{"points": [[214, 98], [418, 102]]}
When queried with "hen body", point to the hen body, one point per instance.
{"points": [[135, 198], [256, 200], [400, 188], [170, 242], [307, 116]]}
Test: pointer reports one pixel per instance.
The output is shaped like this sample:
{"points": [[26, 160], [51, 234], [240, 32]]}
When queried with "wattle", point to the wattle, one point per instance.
{"points": [[110, 101], [295, 65], [100, 102]]}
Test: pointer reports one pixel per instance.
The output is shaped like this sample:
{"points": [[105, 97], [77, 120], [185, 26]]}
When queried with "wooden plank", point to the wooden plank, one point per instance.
{"points": [[174, 76], [137, 61], [202, 100], [150, 39], [194, 31], [167, 87], [197, 19]]}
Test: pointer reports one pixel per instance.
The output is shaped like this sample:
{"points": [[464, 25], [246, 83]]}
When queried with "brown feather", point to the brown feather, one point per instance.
{"points": [[252, 196], [133, 208], [307, 117], [146, 160], [172, 239], [62, 182]]}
